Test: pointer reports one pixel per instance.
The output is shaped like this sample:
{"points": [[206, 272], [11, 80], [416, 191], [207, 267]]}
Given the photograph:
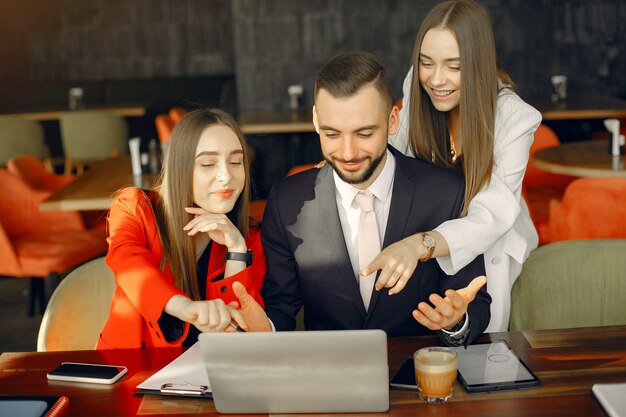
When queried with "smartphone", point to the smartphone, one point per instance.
{"points": [[87, 372], [484, 367]]}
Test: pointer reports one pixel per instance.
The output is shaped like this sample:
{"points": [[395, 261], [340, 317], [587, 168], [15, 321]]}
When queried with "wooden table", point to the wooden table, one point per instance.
{"points": [[124, 110], [568, 362], [94, 189], [587, 107], [581, 159], [261, 122]]}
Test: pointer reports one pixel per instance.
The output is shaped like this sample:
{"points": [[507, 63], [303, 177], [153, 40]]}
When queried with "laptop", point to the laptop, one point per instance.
{"points": [[342, 371], [612, 398]]}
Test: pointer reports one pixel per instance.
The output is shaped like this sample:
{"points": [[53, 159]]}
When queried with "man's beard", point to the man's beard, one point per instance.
{"points": [[358, 178]]}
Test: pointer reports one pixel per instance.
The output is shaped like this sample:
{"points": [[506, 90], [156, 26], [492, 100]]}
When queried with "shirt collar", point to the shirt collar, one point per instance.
{"points": [[381, 187]]}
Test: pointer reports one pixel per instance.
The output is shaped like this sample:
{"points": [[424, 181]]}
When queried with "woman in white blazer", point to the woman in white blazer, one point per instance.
{"points": [[488, 140]]}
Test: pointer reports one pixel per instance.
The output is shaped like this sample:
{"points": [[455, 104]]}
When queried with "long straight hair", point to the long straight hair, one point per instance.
{"points": [[428, 128], [175, 192]]}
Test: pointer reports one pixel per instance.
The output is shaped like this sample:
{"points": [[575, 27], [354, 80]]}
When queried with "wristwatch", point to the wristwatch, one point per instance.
{"points": [[239, 256], [429, 243]]}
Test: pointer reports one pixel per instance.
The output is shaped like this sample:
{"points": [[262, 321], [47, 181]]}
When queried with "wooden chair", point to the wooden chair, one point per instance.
{"points": [[90, 135], [23, 136], [538, 186], [592, 208], [37, 244], [78, 309], [578, 283]]}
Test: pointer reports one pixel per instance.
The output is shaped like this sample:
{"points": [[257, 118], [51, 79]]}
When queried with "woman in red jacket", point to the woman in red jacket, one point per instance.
{"points": [[176, 250]]}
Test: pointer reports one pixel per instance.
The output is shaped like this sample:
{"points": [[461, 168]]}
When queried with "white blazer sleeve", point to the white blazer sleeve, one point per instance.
{"points": [[400, 140], [495, 208]]}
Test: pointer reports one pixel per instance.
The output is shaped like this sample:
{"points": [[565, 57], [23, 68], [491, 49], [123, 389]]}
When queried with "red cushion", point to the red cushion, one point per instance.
{"points": [[41, 254]]}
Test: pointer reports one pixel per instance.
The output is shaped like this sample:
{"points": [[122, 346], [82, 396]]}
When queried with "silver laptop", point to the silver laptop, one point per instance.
{"points": [[298, 372]]}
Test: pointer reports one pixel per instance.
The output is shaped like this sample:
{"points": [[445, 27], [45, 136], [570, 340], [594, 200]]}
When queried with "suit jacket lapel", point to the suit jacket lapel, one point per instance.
{"points": [[399, 211], [330, 239]]}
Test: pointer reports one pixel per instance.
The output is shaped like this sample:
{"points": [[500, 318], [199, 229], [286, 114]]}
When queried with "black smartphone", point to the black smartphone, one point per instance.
{"points": [[87, 372], [405, 377], [484, 367]]}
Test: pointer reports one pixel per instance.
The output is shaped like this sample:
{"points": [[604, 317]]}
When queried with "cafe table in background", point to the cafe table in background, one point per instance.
{"points": [[95, 188], [124, 110], [581, 107], [590, 158], [262, 122], [568, 362]]}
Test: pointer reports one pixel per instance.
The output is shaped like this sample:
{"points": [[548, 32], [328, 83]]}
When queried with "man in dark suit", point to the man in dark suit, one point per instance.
{"points": [[311, 223]]}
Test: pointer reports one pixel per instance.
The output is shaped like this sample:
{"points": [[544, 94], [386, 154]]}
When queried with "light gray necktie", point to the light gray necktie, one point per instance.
{"points": [[368, 243]]}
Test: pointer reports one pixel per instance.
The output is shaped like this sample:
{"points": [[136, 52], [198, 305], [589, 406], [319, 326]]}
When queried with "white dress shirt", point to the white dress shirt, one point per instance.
{"points": [[349, 211]]}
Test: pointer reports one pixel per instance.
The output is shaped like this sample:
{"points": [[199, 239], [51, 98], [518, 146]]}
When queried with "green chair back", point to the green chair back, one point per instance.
{"points": [[90, 135], [78, 309], [576, 283], [21, 136]]}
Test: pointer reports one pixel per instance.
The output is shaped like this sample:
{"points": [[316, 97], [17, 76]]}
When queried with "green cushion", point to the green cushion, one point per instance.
{"points": [[21, 137], [576, 283], [90, 135]]}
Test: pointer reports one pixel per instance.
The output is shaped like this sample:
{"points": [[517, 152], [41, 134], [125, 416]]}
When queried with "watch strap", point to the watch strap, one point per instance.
{"points": [[431, 249], [246, 257]]}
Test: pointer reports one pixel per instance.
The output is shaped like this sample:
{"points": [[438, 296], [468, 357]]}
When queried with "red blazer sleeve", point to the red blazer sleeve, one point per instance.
{"points": [[135, 255], [252, 277]]}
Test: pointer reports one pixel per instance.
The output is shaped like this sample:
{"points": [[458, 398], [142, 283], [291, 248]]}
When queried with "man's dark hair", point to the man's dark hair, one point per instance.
{"points": [[347, 72]]}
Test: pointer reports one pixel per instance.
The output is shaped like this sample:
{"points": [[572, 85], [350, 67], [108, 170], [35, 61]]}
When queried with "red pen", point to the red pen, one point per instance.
{"points": [[58, 407]]}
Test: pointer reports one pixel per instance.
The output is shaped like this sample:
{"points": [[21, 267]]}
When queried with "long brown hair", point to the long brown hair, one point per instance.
{"points": [[175, 192], [428, 128]]}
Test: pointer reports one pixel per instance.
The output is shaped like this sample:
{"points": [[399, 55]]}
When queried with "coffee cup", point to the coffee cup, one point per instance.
{"points": [[435, 372]]}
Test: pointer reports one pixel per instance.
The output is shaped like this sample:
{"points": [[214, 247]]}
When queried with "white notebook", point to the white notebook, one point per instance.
{"points": [[186, 370], [612, 397]]}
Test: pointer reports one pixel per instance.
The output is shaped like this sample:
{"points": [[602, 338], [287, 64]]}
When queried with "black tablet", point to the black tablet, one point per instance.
{"points": [[484, 367], [491, 367]]}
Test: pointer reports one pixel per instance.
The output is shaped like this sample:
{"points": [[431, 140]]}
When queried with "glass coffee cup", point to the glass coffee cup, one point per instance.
{"points": [[435, 372]]}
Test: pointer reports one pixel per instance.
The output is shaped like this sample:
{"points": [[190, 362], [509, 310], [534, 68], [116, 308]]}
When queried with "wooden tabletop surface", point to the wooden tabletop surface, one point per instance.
{"points": [[574, 107], [568, 362], [124, 110], [94, 189], [259, 122], [582, 107], [581, 159]]}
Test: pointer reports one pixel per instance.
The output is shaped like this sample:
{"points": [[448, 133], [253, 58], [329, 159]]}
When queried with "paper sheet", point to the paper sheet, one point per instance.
{"points": [[188, 368]]}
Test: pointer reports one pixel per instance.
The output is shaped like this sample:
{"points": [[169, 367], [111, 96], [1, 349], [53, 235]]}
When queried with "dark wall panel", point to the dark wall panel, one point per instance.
{"points": [[103, 45], [49, 46], [282, 42]]}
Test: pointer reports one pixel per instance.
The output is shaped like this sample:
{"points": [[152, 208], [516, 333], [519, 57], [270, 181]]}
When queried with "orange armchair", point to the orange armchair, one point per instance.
{"points": [[177, 113], [538, 186], [592, 208], [164, 126], [34, 173], [38, 244]]}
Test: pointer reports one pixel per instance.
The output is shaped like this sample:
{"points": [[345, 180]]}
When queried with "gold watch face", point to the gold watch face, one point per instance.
{"points": [[429, 241]]}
